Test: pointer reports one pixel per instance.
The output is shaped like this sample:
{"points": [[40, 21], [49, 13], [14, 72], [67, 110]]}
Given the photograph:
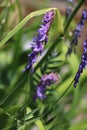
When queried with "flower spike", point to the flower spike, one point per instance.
{"points": [[40, 40], [82, 64], [77, 31]]}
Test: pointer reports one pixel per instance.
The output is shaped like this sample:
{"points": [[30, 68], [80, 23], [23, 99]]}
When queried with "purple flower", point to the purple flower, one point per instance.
{"points": [[70, 5], [77, 31], [40, 40], [71, 1], [82, 64], [45, 81], [84, 14], [68, 12]]}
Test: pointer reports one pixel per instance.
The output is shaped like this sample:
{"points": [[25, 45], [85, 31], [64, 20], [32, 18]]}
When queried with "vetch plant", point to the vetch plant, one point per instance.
{"points": [[37, 97]]}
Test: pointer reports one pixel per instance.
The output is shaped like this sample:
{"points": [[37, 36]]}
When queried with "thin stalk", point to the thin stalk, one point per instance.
{"points": [[73, 15]]}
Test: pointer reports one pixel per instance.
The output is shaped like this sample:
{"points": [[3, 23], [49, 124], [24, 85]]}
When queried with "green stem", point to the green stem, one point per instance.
{"points": [[75, 103], [73, 15], [62, 94]]}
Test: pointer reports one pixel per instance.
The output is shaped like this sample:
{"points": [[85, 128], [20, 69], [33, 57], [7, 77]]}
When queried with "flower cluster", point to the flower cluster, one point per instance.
{"points": [[77, 31], [40, 40], [71, 1], [69, 8], [46, 80], [82, 64]]}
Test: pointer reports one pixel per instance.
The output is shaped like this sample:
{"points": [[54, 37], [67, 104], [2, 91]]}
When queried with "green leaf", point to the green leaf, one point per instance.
{"points": [[8, 116], [35, 120]]}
